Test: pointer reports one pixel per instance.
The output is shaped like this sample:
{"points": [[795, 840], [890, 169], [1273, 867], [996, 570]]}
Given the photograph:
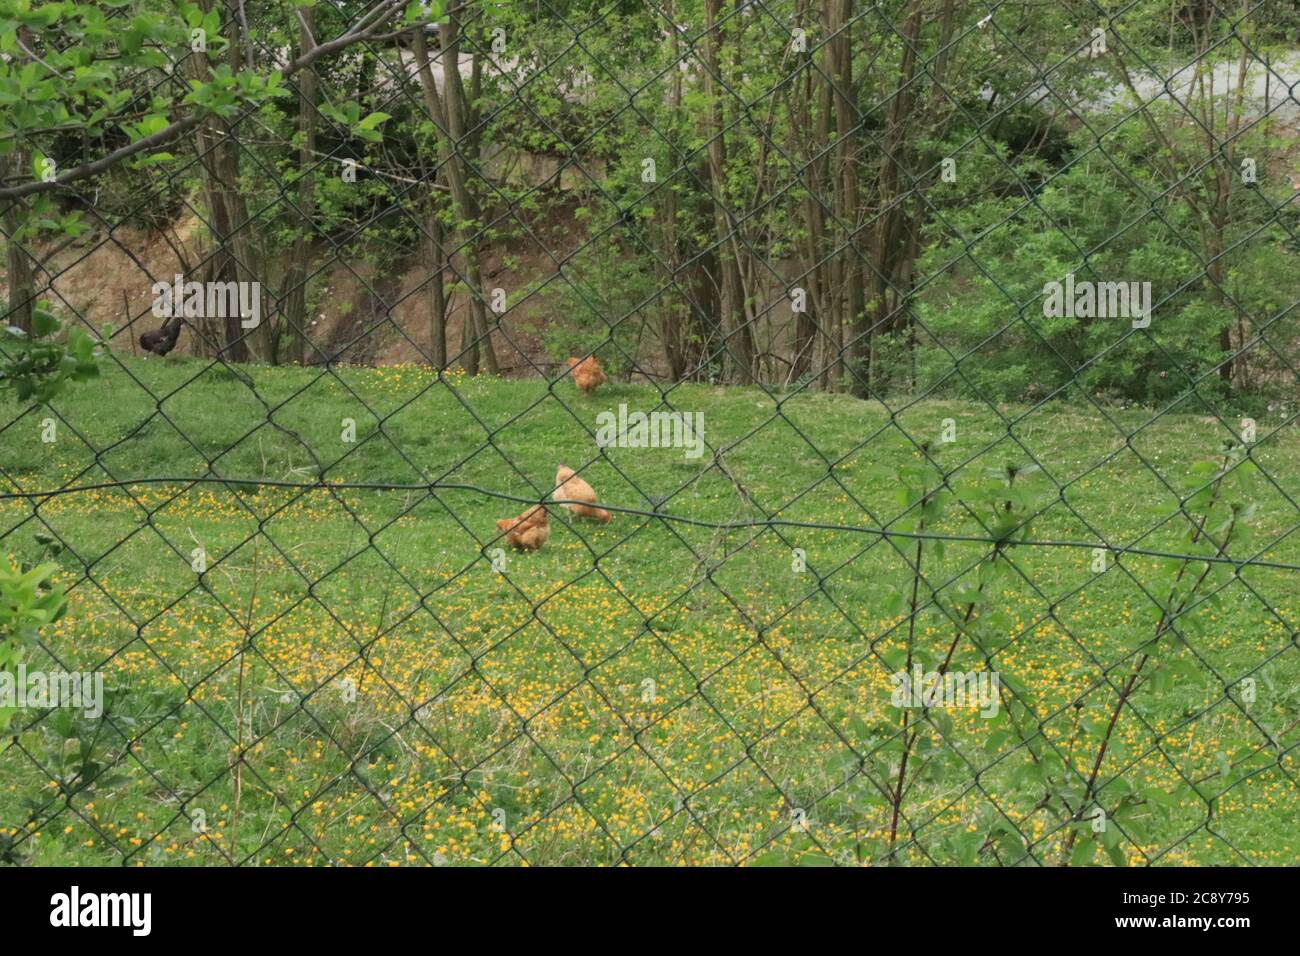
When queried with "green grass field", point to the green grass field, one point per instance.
{"points": [[663, 689]]}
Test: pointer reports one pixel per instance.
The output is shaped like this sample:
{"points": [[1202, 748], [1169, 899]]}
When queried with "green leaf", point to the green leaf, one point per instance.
{"points": [[1082, 853], [1116, 855], [373, 120], [43, 323]]}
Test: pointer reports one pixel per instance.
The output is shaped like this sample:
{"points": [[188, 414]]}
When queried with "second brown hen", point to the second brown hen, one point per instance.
{"points": [[529, 531]]}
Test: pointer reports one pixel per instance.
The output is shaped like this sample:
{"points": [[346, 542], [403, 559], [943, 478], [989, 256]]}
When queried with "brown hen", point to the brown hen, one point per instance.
{"points": [[587, 373], [569, 487], [529, 531]]}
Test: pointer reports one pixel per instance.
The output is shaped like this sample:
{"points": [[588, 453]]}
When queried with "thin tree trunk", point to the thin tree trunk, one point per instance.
{"points": [[22, 281], [857, 363], [448, 112], [436, 262], [739, 338], [804, 344], [894, 222], [671, 318], [22, 276], [232, 231], [292, 342]]}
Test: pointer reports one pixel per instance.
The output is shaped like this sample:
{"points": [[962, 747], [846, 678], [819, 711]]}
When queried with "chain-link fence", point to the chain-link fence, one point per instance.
{"points": [[650, 433]]}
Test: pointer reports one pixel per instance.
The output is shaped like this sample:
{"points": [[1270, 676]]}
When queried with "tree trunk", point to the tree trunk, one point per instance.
{"points": [[436, 262], [232, 231], [853, 322], [448, 112], [291, 343], [893, 234], [739, 337], [22, 280]]}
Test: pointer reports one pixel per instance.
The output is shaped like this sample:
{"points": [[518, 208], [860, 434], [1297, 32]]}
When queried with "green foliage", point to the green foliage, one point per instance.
{"points": [[348, 115], [584, 306], [29, 601], [37, 367], [993, 310]]}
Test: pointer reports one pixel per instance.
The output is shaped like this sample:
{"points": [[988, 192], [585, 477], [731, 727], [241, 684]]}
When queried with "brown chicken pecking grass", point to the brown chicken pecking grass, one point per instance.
{"points": [[529, 531]]}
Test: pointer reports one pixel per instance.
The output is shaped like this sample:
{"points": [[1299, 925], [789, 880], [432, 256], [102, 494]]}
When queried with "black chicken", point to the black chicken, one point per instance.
{"points": [[162, 339]]}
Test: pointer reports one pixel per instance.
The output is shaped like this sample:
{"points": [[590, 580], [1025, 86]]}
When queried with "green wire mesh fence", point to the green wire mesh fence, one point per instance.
{"points": [[926, 372]]}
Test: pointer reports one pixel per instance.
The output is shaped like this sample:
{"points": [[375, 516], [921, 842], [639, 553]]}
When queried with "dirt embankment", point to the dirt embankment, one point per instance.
{"points": [[364, 315]]}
